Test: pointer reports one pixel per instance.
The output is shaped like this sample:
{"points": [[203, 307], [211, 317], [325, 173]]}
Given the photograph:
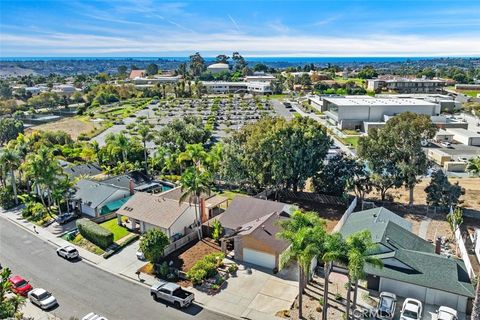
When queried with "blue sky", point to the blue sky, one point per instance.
{"points": [[254, 28]]}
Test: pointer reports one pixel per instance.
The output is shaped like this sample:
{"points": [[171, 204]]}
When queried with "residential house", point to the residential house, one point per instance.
{"points": [[95, 199], [166, 212], [85, 169], [413, 267], [137, 74], [251, 225]]}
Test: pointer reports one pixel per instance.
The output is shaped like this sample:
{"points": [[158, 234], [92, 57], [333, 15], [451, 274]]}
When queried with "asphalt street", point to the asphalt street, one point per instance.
{"points": [[81, 288]]}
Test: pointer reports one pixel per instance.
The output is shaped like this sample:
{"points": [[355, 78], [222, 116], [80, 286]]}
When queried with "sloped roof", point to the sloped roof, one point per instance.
{"points": [[265, 230], [88, 169], [427, 269], [408, 258], [153, 209], [243, 210], [95, 194], [136, 74]]}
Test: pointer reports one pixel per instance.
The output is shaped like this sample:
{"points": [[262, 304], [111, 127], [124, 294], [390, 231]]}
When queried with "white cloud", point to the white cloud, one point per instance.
{"points": [[282, 45]]}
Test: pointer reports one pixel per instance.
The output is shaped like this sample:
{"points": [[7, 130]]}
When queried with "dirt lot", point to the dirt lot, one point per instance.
{"points": [[73, 126], [186, 257]]}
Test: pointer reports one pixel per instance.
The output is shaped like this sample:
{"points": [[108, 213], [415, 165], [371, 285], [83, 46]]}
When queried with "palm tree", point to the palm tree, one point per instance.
{"points": [[194, 153], [360, 248], [11, 161], [194, 182], [17, 301], [146, 135], [118, 143], [306, 234], [476, 302], [335, 251], [473, 166]]}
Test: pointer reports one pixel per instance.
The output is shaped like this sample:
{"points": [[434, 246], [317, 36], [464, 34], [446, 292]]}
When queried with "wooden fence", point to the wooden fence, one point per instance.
{"points": [[181, 242]]}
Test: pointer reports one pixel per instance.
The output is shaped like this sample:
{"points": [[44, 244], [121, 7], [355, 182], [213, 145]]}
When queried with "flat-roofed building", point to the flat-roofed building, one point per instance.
{"points": [[352, 112], [260, 78], [466, 137], [406, 85], [237, 87], [218, 67]]}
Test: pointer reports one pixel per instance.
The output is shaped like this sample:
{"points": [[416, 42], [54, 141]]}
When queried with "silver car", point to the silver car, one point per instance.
{"points": [[42, 298], [386, 306]]}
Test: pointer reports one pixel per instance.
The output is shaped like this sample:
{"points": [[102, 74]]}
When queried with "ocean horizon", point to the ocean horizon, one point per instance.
{"points": [[270, 59]]}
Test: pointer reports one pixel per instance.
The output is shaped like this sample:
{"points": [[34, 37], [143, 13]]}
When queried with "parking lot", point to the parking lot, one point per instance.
{"points": [[225, 114]]}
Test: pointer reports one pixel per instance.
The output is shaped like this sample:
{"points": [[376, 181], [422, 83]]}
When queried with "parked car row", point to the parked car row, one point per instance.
{"points": [[38, 296], [412, 309]]}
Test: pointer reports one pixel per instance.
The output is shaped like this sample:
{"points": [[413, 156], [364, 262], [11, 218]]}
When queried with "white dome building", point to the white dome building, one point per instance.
{"points": [[218, 67]]}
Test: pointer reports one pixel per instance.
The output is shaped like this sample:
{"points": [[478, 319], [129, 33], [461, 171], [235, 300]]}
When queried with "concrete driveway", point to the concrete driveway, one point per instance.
{"points": [[259, 295], [58, 229]]}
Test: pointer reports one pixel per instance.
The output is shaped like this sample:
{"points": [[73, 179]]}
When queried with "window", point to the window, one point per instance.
{"points": [[164, 291]]}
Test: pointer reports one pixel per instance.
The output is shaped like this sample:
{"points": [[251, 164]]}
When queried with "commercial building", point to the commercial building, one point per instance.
{"points": [[218, 67], [260, 78], [352, 112], [406, 85], [155, 80], [466, 137], [64, 89], [223, 87]]}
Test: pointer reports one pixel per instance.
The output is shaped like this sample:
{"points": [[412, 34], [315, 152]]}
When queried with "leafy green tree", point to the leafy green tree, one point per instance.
{"points": [[367, 72], [455, 218], [275, 153], [152, 69], [306, 234], [10, 128], [152, 244], [441, 193], [240, 62], [11, 160], [221, 58], [341, 174], [394, 153], [5, 90], [122, 70], [176, 135], [196, 64], [473, 166], [260, 67], [118, 142]]}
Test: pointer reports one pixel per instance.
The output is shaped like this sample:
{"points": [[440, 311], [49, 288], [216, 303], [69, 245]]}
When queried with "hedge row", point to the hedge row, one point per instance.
{"points": [[95, 233]]}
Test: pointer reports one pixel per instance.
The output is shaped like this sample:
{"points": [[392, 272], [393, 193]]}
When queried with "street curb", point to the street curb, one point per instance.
{"points": [[119, 275]]}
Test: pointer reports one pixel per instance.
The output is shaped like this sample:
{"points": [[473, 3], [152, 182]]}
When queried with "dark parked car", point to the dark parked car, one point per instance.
{"points": [[66, 217]]}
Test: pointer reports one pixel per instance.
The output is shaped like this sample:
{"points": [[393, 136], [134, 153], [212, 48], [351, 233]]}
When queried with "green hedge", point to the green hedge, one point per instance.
{"points": [[95, 233]]}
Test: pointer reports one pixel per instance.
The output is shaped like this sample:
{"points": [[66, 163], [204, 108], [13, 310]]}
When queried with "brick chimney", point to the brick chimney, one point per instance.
{"points": [[438, 245], [131, 186]]}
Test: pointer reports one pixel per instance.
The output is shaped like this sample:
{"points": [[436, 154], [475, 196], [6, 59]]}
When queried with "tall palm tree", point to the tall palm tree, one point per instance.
{"points": [[146, 135], [195, 181], [194, 153], [118, 143], [476, 302], [306, 234], [335, 251], [11, 160], [360, 248], [473, 166]]}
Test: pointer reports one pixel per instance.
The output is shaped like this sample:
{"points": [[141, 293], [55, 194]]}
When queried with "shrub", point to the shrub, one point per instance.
{"points": [[162, 270], [7, 200], [232, 268], [216, 230], [34, 211], [95, 233], [152, 244], [206, 267]]}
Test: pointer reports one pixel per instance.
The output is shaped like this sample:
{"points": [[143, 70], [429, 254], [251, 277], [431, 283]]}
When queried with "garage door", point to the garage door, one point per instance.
{"points": [[259, 258]]}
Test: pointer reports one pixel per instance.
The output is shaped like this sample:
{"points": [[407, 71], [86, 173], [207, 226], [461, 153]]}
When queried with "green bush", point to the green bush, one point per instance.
{"points": [[7, 200], [206, 267], [34, 211], [162, 270], [95, 233]]}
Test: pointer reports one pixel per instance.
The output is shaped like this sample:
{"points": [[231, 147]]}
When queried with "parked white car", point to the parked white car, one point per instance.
{"points": [[386, 306], [93, 316], [446, 313], [68, 252], [140, 255], [411, 310], [42, 298], [445, 144]]}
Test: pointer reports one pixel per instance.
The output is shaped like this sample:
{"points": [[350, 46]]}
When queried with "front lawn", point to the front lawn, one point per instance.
{"points": [[118, 231], [353, 141]]}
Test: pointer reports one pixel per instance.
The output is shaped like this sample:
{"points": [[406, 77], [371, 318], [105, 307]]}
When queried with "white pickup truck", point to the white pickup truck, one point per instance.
{"points": [[171, 292]]}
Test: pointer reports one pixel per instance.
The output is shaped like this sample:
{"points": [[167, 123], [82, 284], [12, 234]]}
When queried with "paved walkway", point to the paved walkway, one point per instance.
{"points": [[423, 229]]}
